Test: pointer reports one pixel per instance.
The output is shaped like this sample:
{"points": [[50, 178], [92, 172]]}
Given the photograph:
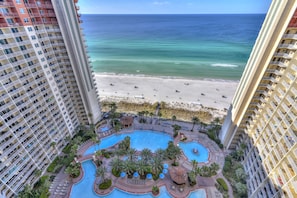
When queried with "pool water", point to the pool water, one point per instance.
{"points": [[104, 129], [201, 156], [85, 187], [139, 139]]}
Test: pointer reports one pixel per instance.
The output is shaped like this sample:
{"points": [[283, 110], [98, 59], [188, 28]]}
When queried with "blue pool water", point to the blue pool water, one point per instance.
{"points": [[104, 129], [85, 187], [140, 139], [201, 156]]}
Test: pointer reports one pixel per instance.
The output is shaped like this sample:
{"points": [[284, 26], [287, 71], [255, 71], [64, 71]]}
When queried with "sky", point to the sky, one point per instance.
{"points": [[173, 6]]}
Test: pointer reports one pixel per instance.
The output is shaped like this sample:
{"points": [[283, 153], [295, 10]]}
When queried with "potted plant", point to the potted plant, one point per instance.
{"points": [[155, 190]]}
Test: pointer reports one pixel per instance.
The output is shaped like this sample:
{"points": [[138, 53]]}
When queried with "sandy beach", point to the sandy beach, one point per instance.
{"points": [[186, 93]]}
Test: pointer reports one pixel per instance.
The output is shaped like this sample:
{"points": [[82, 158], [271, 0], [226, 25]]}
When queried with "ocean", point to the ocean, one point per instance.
{"points": [[186, 46]]}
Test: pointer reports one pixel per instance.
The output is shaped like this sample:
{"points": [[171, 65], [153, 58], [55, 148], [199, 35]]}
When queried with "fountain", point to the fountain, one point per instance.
{"points": [[195, 151]]}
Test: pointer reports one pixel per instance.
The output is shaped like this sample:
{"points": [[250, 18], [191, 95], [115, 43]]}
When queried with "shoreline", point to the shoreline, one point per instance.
{"points": [[164, 77], [212, 95]]}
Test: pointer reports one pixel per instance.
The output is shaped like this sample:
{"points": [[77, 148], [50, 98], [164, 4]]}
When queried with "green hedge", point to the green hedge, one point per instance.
{"points": [[222, 183], [105, 185], [52, 166], [116, 173]]}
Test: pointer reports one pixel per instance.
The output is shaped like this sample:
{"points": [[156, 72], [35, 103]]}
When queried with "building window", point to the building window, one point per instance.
{"points": [[8, 51], [10, 21], [18, 1], [3, 41], [33, 37], [26, 20], [22, 11], [19, 39], [23, 47], [30, 29], [39, 52], [14, 30], [36, 45]]}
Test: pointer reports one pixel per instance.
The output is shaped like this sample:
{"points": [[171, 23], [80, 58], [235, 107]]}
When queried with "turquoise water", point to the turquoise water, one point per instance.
{"points": [[104, 129], [140, 139], [201, 156], [190, 46], [85, 187]]}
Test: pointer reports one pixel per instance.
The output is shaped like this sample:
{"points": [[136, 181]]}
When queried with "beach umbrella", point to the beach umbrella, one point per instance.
{"points": [[135, 174], [165, 171], [165, 166], [161, 176], [149, 176], [123, 174]]}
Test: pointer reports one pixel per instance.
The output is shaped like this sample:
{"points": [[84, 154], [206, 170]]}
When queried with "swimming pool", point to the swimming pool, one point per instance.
{"points": [[201, 156], [85, 187], [140, 139], [104, 129]]}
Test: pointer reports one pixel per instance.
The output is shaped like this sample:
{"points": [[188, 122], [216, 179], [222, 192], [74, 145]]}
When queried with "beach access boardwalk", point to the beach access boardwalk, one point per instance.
{"points": [[136, 185]]}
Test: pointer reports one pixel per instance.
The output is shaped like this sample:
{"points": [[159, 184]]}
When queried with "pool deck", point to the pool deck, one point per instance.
{"points": [[145, 186]]}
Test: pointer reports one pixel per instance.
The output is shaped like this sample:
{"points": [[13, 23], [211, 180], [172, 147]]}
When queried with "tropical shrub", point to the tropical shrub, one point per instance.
{"points": [[105, 185], [192, 178], [155, 190], [223, 184], [115, 172]]}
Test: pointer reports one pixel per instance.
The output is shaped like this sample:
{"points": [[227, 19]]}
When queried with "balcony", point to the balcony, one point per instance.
{"points": [[284, 55], [288, 46], [6, 4], [30, 5], [279, 63], [290, 36]]}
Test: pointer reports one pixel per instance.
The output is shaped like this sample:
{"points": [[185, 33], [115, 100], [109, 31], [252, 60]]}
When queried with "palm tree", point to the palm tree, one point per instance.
{"points": [[129, 167], [194, 166], [101, 171], [113, 107], [95, 140], [131, 152], [173, 118], [203, 126], [214, 167], [73, 170], [146, 154], [26, 192], [98, 157], [146, 114], [159, 116], [160, 154], [172, 151], [151, 115], [156, 165], [117, 164], [142, 168], [195, 120]]}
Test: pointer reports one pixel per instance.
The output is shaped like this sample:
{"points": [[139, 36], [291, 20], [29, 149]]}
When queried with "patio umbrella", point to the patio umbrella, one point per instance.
{"points": [[161, 176], [178, 175], [165, 171], [123, 174], [149, 176], [165, 166], [135, 174]]}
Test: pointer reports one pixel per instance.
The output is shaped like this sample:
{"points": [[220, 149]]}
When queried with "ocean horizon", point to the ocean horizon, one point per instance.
{"points": [[204, 46]]}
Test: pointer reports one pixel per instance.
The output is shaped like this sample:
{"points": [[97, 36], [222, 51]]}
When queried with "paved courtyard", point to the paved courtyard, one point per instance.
{"points": [[62, 184]]}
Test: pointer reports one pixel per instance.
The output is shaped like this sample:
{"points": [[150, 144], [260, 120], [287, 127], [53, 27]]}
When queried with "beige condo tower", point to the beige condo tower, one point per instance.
{"points": [[263, 113], [46, 87]]}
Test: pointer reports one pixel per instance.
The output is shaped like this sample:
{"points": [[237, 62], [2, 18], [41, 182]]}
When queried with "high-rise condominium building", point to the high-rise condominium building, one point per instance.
{"points": [[46, 86], [264, 109]]}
